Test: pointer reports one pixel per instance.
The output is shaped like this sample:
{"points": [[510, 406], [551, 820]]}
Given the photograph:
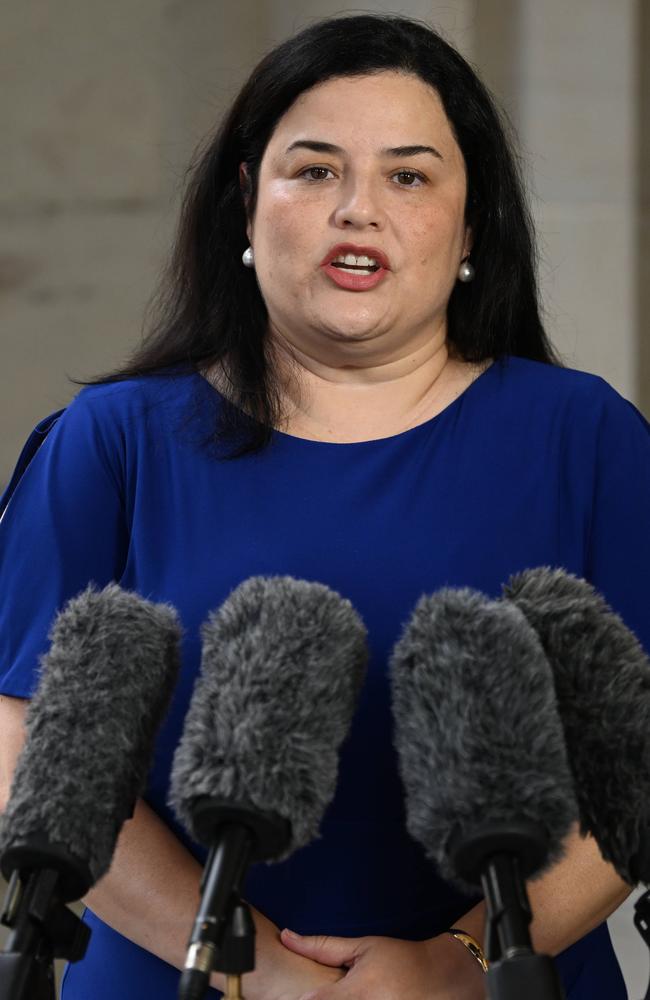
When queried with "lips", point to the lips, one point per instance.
{"points": [[350, 280], [358, 251]]}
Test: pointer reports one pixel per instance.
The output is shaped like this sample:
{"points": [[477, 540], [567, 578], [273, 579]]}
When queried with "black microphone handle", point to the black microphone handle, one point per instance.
{"points": [[508, 907], [224, 870], [41, 928], [517, 972], [24, 977], [533, 977]]}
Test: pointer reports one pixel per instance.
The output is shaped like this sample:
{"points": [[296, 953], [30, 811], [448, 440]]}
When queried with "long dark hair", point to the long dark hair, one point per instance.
{"points": [[209, 308]]}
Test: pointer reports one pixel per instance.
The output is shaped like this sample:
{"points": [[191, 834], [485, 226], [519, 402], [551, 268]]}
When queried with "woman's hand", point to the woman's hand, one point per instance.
{"points": [[381, 968], [281, 974]]}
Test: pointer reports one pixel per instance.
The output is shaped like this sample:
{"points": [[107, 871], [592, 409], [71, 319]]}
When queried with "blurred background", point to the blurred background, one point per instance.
{"points": [[102, 105]]}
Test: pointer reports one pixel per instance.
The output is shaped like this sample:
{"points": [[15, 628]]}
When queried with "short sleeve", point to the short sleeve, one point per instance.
{"points": [[619, 536], [63, 528]]}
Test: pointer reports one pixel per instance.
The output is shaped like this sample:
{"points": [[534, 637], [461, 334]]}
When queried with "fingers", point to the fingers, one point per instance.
{"points": [[334, 951]]}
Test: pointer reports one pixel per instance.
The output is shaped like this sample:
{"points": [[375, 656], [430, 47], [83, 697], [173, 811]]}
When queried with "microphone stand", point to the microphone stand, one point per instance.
{"points": [[237, 954], [514, 969], [223, 936], [220, 883], [500, 856], [42, 929]]}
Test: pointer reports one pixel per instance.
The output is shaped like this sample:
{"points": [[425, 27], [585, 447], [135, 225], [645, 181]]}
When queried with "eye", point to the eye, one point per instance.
{"points": [[309, 173], [411, 178]]}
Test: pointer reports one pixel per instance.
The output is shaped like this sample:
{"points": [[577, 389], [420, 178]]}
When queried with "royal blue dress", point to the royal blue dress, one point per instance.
{"points": [[532, 465]]}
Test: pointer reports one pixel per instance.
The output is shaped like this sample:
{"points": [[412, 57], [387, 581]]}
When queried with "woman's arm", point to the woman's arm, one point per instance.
{"points": [[151, 893], [12, 728], [576, 895]]}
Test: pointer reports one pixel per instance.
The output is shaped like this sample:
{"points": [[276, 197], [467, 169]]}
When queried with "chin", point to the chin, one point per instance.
{"points": [[352, 326], [350, 333]]}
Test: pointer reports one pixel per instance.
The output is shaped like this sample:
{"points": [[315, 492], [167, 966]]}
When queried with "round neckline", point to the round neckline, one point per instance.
{"points": [[373, 441]]}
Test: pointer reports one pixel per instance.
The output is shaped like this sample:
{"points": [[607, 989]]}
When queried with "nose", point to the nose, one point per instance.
{"points": [[359, 206]]}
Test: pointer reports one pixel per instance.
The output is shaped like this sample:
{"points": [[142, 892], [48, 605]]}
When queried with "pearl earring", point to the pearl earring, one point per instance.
{"points": [[466, 272], [248, 257]]}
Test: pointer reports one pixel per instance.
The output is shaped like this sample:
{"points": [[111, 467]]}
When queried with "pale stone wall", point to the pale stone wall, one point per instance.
{"points": [[642, 213], [81, 195], [101, 107], [577, 119]]}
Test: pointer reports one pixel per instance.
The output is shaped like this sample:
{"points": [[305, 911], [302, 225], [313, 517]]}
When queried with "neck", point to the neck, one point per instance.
{"points": [[341, 401]]}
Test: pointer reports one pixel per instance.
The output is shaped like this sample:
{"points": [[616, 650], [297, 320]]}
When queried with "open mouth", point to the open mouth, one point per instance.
{"points": [[356, 268], [358, 263]]}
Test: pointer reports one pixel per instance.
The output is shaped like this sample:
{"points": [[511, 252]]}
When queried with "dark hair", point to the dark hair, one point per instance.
{"points": [[209, 307]]}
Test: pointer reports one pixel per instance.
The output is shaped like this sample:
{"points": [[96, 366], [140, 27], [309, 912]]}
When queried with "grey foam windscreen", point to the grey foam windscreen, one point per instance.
{"points": [[602, 680], [283, 664], [477, 732], [103, 690]]}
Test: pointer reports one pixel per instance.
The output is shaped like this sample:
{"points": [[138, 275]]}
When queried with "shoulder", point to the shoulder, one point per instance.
{"points": [[584, 399], [129, 406], [136, 395], [106, 423], [547, 379]]}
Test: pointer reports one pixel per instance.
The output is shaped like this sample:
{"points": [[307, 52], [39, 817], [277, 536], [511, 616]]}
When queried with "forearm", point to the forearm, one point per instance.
{"points": [[151, 893], [151, 896], [568, 901]]}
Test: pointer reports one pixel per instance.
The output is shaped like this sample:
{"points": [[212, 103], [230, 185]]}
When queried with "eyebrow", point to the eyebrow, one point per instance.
{"points": [[327, 147]]}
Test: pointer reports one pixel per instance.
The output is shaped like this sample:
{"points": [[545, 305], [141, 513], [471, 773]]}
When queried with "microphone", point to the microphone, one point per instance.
{"points": [[282, 667], [104, 687], [482, 758], [602, 681]]}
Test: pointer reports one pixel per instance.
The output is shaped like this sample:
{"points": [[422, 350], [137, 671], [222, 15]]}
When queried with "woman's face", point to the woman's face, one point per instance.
{"points": [[366, 166]]}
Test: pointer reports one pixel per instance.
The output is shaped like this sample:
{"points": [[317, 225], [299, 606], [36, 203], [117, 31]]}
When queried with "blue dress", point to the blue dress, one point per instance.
{"points": [[532, 465]]}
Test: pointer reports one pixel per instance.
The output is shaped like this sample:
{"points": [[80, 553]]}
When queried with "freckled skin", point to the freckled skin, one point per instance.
{"points": [[361, 196]]}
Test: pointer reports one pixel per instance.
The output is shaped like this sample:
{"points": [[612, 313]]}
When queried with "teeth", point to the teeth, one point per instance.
{"points": [[351, 260]]}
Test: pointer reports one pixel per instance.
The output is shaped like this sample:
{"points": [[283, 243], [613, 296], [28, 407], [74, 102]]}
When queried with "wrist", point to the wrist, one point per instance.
{"points": [[471, 944], [454, 965]]}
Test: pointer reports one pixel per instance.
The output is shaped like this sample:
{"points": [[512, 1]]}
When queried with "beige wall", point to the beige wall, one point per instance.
{"points": [[577, 117], [81, 194], [642, 214]]}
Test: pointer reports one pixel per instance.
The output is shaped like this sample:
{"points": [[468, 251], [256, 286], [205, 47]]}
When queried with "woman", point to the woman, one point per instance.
{"points": [[350, 383]]}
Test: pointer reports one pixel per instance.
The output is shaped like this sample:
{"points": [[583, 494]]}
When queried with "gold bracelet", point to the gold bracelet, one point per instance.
{"points": [[471, 944]]}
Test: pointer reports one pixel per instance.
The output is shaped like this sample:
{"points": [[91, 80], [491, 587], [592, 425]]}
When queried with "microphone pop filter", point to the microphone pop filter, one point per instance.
{"points": [[602, 681], [104, 686], [283, 663], [479, 741]]}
